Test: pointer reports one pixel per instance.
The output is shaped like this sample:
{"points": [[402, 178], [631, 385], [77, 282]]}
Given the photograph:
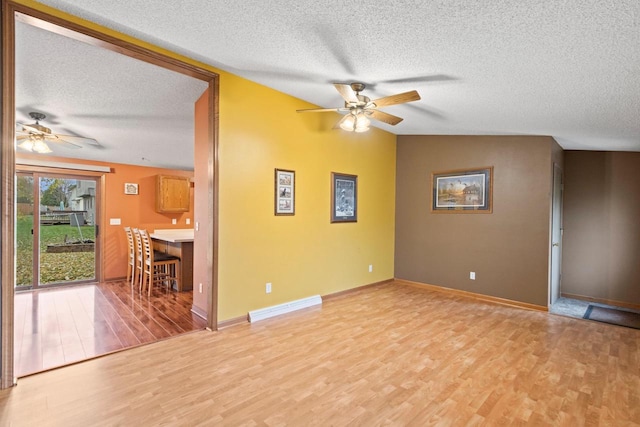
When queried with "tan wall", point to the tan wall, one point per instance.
{"points": [[601, 245], [507, 249]]}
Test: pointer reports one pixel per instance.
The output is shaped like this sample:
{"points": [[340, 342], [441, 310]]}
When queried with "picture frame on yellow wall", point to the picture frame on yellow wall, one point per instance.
{"points": [[462, 191], [285, 192], [344, 197]]}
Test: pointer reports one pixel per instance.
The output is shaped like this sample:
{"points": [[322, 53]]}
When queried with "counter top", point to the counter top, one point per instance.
{"points": [[174, 235]]}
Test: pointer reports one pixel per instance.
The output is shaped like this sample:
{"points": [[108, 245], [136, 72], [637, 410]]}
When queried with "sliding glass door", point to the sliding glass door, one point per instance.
{"points": [[56, 229]]}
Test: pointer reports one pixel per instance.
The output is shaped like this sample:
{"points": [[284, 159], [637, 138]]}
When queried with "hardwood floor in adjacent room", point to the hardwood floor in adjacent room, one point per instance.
{"points": [[63, 325], [391, 354]]}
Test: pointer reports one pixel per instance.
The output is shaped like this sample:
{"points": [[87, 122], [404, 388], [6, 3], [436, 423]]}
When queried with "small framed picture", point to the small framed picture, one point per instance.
{"points": [[130, 188], [344, 197], [285, 192]]}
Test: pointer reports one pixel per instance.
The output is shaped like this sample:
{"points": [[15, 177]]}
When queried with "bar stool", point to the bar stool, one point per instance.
{"points": [[131, 265], [159, 267], [139, 260]]}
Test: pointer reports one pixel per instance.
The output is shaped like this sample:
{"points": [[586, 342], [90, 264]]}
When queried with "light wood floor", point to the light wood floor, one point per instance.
{"points": [[386, 355], [59, 326]]}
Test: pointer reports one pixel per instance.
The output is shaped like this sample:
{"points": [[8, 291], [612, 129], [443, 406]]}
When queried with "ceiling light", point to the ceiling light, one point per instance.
{"points": [[362, 123], [349, 123], [36, 144], [356, 122]]}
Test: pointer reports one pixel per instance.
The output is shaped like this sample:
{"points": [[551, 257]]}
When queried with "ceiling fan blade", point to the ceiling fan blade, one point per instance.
{"points": [[422, 79], [31, 129], [58, 140], [346, 92], [21, 137], [400, 98], [321, 110], [384, 117], [85, 139]]}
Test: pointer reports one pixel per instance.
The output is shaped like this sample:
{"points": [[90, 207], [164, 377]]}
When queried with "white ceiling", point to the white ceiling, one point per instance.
{"points": [[569, 69], [139, 113]]}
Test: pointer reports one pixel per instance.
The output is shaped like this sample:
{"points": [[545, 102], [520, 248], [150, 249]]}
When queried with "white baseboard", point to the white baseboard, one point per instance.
{"points": [[287, 307]]}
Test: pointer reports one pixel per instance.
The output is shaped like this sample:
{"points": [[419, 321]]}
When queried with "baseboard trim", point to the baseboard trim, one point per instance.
{"points": [[287, 307], [602, 301], [199, 312], [245, 319], [232, 322], [356, 289], [467, 294]]}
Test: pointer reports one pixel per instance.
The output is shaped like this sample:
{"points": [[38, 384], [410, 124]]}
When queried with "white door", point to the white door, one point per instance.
{"points": [[556, 235]]}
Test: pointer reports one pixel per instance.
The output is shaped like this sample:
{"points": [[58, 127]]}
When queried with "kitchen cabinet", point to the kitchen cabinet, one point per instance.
{"points": [[172, 194]]}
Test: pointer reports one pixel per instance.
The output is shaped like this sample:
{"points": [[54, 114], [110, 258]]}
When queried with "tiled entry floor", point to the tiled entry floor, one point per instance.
{"points": [[576, 308]]}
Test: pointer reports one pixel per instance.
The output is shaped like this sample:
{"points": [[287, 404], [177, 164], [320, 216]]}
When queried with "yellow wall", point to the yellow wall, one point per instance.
{"points": [[302, 255], [305, 254]]}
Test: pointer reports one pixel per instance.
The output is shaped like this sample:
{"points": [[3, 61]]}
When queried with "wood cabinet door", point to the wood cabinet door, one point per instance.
{"points": [[172, 194]]}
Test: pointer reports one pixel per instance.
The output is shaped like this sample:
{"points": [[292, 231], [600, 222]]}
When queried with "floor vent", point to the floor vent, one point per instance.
{"points": [[287, 307]]}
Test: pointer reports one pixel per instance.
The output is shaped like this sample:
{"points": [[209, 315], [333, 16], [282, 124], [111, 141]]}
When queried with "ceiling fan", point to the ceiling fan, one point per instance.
{"points": [[360, 108], [34, 137]]}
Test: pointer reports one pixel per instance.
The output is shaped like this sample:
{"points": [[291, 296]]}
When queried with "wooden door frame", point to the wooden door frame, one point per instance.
{"points": [[557, 174], [11, 11]]}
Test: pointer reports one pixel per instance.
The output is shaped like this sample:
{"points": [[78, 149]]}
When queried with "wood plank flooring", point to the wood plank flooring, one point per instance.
{"points": [[386, 355], [59, 326]]}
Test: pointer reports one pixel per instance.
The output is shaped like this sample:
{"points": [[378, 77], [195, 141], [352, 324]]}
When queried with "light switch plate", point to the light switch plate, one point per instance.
{"points": [[114, 221]]}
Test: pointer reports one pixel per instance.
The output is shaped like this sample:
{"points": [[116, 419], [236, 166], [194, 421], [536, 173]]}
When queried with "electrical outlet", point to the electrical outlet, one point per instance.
{"points": [[200, 287], [188, 221], [174, 221], [268, 288], [472, 275], [370, 268]]}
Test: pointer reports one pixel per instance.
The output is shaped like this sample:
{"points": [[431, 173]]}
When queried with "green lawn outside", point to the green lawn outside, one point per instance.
{"points": [[54, 267]]}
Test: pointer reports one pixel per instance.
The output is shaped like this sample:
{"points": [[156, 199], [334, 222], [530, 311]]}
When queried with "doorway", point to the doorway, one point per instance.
{"points": [[209, 176], [56, 230]]}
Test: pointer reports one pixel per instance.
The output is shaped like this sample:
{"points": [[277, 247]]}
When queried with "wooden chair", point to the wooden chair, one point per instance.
{"points": [[159, 267], [131, 265], [139, 262]]}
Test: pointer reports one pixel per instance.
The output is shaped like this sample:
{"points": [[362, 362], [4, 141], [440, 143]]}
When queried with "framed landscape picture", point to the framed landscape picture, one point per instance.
{"points": [[462, 191], [285, 192], [344, 197]]}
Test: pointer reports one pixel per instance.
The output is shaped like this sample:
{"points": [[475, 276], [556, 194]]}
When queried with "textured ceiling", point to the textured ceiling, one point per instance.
{"points": [[138, 113], [569, 69]]}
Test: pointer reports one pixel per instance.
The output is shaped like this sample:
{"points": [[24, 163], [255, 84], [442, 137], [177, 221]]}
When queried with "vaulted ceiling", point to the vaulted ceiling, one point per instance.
{"points": [[568, 69]]}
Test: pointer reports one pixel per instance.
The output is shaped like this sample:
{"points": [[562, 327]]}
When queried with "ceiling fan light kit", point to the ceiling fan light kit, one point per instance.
{"points": [[360, 108], [355, 122], [36, 144]]}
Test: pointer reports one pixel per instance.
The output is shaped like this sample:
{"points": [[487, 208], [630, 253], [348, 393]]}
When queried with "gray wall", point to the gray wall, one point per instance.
{"points": [[601, 242], [509, 248]]}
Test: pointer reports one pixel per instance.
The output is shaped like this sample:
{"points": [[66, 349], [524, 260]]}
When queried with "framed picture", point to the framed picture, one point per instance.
{"points": [[130, 188], [285, 192], [344, 197], [462, 191]]}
